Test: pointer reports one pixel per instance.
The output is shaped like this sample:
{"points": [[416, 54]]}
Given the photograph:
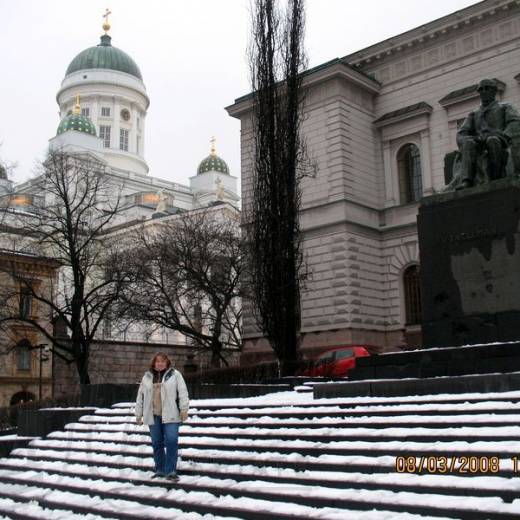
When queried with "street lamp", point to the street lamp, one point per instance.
{"points": [[44, 349]]}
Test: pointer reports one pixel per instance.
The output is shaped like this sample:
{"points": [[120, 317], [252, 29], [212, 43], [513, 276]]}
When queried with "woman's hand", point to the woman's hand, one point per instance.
{"points": [[184, 415], [139, 421]]}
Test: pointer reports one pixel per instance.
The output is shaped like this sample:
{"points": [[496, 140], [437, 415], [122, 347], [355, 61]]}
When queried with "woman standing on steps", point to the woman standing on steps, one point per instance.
{"points": [[162, 403]]}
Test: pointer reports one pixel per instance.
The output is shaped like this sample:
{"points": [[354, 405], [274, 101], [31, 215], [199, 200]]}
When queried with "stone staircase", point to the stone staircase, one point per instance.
{"points": [[300, 458]]}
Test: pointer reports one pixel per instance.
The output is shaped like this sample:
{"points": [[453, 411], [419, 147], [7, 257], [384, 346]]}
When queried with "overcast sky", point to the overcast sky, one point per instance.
{"points": [[192, 57]]}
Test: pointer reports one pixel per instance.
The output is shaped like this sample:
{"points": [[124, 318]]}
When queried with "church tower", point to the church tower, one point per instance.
{"points": [[113, 97], [213, 182]]}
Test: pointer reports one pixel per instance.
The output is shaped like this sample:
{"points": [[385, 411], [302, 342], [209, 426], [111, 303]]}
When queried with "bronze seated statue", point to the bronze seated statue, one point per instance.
{"points": [[488, 141]]}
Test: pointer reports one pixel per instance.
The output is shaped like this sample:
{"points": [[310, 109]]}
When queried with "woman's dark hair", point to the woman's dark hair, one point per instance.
{"points": [[162, 355]]}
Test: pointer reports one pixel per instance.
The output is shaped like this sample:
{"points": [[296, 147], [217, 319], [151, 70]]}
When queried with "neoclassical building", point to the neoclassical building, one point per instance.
{"points": [[379, 123]]}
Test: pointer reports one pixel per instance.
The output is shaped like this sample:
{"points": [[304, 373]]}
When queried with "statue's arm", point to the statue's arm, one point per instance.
{"points": [[467, 129]]}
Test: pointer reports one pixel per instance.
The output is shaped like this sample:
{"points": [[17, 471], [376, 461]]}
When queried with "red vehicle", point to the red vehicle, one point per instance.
{"points": [[336, 362]]}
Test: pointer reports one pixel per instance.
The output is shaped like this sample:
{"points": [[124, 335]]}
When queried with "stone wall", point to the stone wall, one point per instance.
{"points": [[112, 362]]}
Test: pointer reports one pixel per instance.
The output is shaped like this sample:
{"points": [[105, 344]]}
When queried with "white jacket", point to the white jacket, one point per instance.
{"points": [[172, 384]]}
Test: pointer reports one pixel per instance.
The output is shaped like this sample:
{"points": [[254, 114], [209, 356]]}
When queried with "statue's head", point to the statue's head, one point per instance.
{"points": [[487, 88]]}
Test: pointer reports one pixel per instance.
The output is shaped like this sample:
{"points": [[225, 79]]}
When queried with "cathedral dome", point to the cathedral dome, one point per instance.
{"points": [[213, 163], [104, 56], [76, 122]]}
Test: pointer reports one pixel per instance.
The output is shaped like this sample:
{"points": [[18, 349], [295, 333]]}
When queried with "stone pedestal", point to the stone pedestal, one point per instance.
{"points": [[470, 265]]}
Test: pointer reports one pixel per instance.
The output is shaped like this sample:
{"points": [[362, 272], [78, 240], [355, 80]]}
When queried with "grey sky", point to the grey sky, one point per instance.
{"points": [[192, 57]]}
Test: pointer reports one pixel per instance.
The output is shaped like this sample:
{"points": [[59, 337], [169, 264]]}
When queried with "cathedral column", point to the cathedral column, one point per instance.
{"points": [[142, 117], [134, 114], [117, 116], [94, 116]]}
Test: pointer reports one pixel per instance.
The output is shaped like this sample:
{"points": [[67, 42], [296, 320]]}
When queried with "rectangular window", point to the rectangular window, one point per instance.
{"points": [[104, 133], [23, 357], [107, 328], [25, 302], [123, 139], [85, 112], [137, 144], [105, 111], [138, 123]]}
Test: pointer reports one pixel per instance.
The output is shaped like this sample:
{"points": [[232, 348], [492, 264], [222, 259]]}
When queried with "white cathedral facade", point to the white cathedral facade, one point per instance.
{"points": [[103, 106], [379, 123]]}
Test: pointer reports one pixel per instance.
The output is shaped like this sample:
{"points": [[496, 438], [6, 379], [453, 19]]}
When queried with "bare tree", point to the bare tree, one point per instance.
{"points": [[184, 276], [277, 59], [66, 218]]}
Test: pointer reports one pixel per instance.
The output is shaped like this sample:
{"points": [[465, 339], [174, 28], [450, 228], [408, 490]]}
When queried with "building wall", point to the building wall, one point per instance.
{"points": [[13, 379]]}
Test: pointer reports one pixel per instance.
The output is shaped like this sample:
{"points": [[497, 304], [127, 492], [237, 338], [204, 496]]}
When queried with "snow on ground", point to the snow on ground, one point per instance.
{"points": [[32, 508], [491, 447], [378, 433], [291, 397], [72, 450], [302, 422], [65, 498], [125, 474], [342, 462], [180, 496]]}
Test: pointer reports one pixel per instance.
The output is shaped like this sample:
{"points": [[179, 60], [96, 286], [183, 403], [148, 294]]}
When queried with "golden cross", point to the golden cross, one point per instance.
{"points": [[213, 141], [106, 25]]}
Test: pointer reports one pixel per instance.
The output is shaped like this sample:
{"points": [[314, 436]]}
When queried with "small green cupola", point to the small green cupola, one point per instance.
{"points": [[213, 163], [76, 121]]}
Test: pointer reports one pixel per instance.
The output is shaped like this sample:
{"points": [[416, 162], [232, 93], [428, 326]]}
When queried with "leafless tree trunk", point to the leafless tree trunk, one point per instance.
{"points": [[277, 59], [184, 276], [67, 221]]}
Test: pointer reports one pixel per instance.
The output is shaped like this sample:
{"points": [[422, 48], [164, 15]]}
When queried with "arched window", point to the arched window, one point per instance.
{"points": [[412, 295], [410, 175], [21, 397]]}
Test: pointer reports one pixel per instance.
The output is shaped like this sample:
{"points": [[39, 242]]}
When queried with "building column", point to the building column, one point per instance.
{"points": [[426, 163], [390, 198]]}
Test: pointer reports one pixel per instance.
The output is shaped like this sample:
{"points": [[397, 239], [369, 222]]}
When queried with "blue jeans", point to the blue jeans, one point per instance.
{"points": [[164, 436]]}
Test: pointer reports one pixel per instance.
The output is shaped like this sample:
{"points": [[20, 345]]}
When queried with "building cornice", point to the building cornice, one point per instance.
{"points": [[438, 29], [28, 260], [402, 114], [337, 68], [71, 91]]}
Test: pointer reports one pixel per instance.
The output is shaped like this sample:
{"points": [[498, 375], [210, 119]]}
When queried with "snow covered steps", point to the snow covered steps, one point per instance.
{"points": [[256, 458]]}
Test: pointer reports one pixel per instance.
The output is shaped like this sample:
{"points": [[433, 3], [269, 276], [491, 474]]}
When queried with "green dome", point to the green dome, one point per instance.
{"points": [[76, 122], [104, 56], [213, 163]]}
